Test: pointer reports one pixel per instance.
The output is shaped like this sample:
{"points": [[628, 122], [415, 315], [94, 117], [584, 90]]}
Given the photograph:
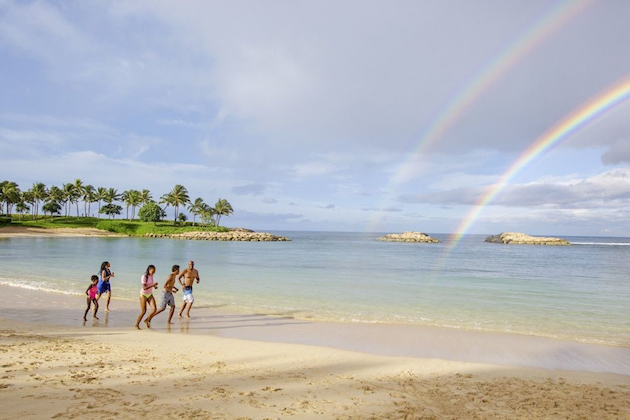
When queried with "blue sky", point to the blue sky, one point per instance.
{"points": [[301, 113]]}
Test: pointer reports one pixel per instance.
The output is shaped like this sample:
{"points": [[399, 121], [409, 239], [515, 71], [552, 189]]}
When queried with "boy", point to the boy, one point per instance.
{"points": [[167, 294]]}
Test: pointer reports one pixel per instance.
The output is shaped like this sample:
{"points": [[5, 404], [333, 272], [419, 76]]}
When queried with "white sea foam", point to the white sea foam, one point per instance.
{"points": [[22, 284], [602, 243]]}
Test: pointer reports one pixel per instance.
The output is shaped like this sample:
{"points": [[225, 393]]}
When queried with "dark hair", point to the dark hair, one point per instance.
{"points": [[149, 269], [175, 268], [94, 278], [104, 265]]}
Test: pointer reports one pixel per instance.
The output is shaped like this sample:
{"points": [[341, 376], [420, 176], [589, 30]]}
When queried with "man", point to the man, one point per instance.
{"points": [[189, 275], [167, 296]]}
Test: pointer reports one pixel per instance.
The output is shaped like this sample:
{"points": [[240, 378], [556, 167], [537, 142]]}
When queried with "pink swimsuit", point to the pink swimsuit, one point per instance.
{"points": [[147, 284], [93, 292]]}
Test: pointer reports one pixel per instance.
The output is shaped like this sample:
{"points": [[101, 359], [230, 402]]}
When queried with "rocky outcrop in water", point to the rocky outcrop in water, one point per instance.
{"points": [[515, 238], [236, 235], [408, 237]]}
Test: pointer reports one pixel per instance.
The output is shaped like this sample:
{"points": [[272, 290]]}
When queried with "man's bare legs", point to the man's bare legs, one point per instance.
{"points": [[186, 305], [170, 315]]}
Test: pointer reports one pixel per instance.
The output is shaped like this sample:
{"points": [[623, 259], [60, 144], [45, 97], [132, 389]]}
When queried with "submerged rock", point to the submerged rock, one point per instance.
{"points": [[515, 238], [408, 237]]}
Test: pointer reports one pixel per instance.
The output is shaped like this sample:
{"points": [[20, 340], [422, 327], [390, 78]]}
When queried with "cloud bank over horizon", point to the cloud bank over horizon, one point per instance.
{"points": [[300, 113]]}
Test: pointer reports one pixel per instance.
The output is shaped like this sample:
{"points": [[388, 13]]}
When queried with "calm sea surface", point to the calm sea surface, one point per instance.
{"points": [[579, 292]]}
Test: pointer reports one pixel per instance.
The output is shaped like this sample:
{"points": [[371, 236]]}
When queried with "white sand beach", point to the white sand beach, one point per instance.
{"points": [[23, 232]]}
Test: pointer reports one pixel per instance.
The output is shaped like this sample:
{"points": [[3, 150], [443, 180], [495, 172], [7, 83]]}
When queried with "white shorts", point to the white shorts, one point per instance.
{"points": [[188, 296]]}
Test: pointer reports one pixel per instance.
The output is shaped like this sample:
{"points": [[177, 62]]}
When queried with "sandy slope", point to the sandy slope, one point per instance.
{"points": [[60, 372], [23, 231]]}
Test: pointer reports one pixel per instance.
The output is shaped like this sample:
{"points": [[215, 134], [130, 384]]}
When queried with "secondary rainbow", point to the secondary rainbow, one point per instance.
{"points": [[556, 18], [553, 137], [481, 81]]}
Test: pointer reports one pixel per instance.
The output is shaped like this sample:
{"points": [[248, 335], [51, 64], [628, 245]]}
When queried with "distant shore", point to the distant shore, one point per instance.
{"points": [[95, 369], [17, 231], [82, 227]]}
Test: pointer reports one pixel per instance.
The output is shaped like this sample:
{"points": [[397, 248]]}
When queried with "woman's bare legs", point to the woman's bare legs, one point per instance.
{"points": [[153, 311], [143, 310]]}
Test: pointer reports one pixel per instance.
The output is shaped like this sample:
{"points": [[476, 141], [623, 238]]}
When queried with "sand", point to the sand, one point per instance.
{"points": [[64, 372], [23, 231]]}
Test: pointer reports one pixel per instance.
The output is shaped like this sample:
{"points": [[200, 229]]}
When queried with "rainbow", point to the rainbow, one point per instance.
{"points": [[561, 131], [481, 81], [557, 17]]}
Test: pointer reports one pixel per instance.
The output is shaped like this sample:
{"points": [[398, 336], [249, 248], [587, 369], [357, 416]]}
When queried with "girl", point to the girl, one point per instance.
{"points": [[91, 293], [146, 296], [103, 283]]}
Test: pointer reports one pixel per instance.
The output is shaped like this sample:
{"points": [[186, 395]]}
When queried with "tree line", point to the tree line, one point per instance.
{"points": [[55, 199]]}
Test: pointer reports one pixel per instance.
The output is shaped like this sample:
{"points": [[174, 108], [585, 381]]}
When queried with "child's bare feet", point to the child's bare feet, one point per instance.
{"points": [[107, 310], [85, 318], [146, 321], [188, 316], [95, 317]]}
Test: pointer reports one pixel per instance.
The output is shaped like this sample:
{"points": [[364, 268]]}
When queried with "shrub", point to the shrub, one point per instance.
{"points": [[151, 212]]}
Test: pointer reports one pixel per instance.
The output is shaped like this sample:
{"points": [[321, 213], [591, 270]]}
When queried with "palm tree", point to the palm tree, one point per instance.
{"points": [[136, 200], [69, 194], [9, 194], [196, 208], [78, 193], [145, 197], [89, 194], [177, 197], [222, 208], [111, 196], [26, 198], [126, 198], [207, 213], [99, 196], [21, 207], [55, 196], [40, 193]]}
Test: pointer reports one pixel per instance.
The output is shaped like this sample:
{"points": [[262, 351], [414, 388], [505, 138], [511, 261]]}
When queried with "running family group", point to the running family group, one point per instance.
{"points": [[101, 284]]}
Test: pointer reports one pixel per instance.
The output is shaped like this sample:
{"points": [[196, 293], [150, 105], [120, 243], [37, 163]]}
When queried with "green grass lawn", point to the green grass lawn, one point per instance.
{"points": [[125, 227]]}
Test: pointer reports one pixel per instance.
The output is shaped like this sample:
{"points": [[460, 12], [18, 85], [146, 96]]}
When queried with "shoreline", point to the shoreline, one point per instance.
{"points": [[388, 340], [245, 311]]}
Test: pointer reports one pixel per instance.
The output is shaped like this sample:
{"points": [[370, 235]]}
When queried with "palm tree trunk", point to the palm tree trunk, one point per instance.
{"points": [[99, 209]]}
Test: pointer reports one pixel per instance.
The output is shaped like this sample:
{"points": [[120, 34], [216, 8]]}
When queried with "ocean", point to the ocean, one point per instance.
{"points": [[579, 292]]}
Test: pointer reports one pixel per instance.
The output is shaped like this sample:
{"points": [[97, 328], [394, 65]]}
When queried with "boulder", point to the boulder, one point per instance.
{"points": [[408, 237], [515, 238]]}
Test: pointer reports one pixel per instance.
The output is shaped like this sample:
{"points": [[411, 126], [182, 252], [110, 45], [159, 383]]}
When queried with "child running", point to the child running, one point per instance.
{"points": [[146, 296], [167, 295], [91, 293]]}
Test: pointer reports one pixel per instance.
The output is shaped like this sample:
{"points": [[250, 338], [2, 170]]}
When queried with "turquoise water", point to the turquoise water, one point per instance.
{"points": [[580, 292]]}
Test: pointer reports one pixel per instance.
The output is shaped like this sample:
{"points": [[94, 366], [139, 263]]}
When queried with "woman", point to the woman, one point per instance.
{"points": [[103, 283], [146, 296]]}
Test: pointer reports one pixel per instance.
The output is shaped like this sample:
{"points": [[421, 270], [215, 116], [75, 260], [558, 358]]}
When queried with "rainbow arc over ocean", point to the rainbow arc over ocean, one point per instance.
{"points": [[560, 132], [554, 19]]}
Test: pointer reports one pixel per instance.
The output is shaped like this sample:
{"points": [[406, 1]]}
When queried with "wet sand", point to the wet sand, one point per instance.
{"points": [[378, 339]]}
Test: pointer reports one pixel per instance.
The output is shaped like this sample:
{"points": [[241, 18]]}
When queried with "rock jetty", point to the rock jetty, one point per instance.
{"points": [[408, 237], [514, 238], [234, 235]]}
